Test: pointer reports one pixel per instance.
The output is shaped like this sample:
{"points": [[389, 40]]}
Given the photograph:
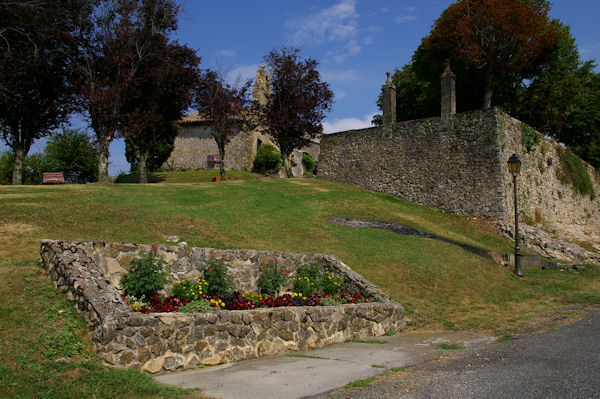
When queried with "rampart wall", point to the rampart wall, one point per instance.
{"points": [[457, 163]]}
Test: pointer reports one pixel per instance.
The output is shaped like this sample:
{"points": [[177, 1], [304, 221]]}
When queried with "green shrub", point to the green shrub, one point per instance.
{"points": [[192, 290], [573, 170], [148, 275], [308, 279], [309, 164], [330, 301], [529, 137], [198, 306], [268, 159], [331, 283], [219, 282], [272, 278]]}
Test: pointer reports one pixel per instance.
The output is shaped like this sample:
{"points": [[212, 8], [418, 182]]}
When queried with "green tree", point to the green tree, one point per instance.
{"points": [[73, 153], [34, 165]]}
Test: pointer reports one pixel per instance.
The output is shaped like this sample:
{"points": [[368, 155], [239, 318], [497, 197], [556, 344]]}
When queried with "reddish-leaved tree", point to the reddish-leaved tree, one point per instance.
{"points": [[225, 108], [297, 102], [498, 37], [37, 86]]}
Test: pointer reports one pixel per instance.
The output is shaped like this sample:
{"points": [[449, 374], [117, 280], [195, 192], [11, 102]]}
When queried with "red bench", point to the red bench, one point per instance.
{"points": [[54, 177]]}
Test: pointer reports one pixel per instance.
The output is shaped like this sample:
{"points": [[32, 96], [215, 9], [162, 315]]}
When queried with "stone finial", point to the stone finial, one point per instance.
{"points": [[389, 100], [448, 87], [262, 86]]}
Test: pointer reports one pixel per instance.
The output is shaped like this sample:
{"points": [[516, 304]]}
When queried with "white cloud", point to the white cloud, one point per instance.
{"points": [[340, 125], [337, 26], [337, 76], [409, 15], [402, 18], [226, 53], [338, 22], [242, 73]]}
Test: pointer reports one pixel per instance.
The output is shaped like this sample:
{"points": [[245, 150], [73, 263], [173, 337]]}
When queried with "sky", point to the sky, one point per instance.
{"points": [[354, 41]]}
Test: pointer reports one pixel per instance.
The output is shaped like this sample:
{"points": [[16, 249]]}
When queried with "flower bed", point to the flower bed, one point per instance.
{"points": [[91, 273]]}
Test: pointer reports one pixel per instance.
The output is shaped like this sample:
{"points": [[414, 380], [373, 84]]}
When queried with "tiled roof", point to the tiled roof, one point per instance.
{"points": [[194, 117]]}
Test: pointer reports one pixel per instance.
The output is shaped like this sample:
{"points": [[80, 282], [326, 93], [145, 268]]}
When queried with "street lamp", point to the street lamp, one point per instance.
{"points": [[514, 165]]}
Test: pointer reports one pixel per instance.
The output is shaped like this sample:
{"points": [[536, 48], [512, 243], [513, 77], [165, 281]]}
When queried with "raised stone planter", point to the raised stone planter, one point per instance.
{"points": [[90, 271]]}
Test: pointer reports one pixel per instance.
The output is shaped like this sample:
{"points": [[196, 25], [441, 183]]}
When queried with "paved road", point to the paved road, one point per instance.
{"points": [[563, 363]]}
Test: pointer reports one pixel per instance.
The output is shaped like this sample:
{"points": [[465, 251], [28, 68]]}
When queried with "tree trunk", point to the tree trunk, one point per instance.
{"points": [[142, 158], [222, 170], [286, 164], [489, 90], [17, 177], [103, 155]]}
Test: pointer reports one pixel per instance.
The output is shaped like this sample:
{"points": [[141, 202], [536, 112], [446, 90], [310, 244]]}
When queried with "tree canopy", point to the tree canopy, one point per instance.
{"points": [[225, 107], [38, 41], [297, 103], [501, 39], [555, 92]]}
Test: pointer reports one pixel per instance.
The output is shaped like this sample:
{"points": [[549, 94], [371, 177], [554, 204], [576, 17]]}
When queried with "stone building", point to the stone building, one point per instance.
{"points": [[196, 149], [458, 163]]}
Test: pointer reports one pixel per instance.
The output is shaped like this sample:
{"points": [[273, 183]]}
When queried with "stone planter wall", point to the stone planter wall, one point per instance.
{"points": [[169, 341]]}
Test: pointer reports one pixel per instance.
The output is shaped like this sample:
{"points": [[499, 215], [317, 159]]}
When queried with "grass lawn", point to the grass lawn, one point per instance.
{"points": [[45, 349]]}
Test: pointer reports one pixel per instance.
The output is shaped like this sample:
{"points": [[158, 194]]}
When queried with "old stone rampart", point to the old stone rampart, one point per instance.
{"points": [[450, 163], [457, 163], [168, 341]]}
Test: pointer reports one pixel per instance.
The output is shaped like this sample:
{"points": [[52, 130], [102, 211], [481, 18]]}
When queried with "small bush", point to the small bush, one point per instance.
{"points": [[198, 306], [330, 301], [573, 170], [308, 279], [268, 159], [147, 277], [192, 290], [529, 137], [219, 282], [272, 278], [330, 283], [309, 164]]}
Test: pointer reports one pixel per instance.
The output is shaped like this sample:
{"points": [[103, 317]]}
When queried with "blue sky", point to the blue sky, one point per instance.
{"points": [[354, 41]]}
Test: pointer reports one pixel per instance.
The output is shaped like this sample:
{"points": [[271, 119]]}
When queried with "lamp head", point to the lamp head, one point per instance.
{"points": [[514, 164]]}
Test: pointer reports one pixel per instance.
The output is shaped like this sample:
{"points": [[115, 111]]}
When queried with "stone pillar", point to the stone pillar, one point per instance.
{"points": [[389, 101], [262, 86], [448, 91]]}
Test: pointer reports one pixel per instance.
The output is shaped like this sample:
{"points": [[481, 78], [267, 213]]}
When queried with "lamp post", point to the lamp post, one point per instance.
{"points": [[514, 165]]}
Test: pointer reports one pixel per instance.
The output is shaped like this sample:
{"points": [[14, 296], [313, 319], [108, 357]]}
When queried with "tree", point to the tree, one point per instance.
{"points": [[34, 165], [225, 108], [156, 158], [496, 39], [72, 152], [162, 90], [297, 102], [37, 87], [125, 67]]}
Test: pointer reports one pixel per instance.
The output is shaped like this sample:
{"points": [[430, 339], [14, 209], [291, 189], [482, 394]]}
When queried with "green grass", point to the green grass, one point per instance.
{"points": [[440, 284], [360, 383], [377, 366], [450, 347], [195, 176]]}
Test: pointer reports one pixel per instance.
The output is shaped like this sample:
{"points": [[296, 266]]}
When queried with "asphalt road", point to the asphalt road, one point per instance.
{"points": [[563, 363]]}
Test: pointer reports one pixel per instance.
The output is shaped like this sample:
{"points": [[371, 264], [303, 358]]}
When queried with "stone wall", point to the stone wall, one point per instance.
{"points": [[544, 201], [194, 142], [458, 164], [169, 341], [451, 163]]}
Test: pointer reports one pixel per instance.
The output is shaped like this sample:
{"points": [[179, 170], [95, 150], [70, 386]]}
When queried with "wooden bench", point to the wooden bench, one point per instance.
{"points": [[53, 177]]}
